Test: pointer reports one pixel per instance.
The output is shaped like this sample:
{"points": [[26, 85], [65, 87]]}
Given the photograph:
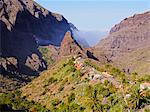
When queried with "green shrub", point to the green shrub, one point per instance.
{"points": [[146, 110], [71, 97], [71, 61], [73, 107], [88, 62], [115, 72], [17, 102], [71, 69], [106, 82], [144, 78], [47, 55], [61, 88], [55, 102], [107, 66], [50, 81]]}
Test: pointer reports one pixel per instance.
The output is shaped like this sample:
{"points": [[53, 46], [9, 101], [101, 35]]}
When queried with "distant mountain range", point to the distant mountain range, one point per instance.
{"points": [[89, 38]]}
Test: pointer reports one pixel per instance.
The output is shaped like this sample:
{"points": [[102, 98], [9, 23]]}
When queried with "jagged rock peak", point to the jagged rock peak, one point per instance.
{"points": [[69, 46], [67, 39]]}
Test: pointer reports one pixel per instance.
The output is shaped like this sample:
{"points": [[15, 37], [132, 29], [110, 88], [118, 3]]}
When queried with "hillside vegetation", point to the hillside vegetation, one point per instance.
{"points": [[78, 84]]}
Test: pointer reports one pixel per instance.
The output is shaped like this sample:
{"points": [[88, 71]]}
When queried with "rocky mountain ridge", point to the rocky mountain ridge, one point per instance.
{"points": [[25, 26], [129, 36], [134, 21], [32, 39]]}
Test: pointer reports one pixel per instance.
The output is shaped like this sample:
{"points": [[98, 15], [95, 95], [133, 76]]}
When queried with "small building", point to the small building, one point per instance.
{"points": [[79, 66]]}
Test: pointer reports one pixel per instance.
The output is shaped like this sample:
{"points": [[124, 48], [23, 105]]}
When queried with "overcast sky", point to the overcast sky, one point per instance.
{"points": [[99, 15]]}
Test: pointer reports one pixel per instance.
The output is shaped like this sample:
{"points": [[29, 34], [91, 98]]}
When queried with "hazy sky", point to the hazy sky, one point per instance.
{"points": [[95, 14]]}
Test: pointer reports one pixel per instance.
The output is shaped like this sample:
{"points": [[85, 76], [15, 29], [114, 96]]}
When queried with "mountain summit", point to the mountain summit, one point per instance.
{"points": [[69, 46]]}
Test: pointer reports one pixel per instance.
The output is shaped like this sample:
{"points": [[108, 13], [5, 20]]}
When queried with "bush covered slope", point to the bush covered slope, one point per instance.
{"points": [[79, 84]]}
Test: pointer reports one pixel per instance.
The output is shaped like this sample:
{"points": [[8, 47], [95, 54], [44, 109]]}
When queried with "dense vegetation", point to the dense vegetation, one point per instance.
{"points": [[66, 88], [13, 101], [47, 55]]}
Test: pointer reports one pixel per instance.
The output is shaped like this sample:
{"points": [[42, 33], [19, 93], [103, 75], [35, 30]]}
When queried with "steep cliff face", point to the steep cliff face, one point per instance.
{"points": [[24, 26], [129, 36]]}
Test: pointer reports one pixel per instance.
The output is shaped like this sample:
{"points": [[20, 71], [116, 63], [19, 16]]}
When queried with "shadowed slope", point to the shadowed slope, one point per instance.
{"points": [[24, 25]]}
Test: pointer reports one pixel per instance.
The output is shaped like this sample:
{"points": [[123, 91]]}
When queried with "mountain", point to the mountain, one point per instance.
{"points": [[36, 20], [32, 39], [36, 42], [25, 26], [128, 44]]}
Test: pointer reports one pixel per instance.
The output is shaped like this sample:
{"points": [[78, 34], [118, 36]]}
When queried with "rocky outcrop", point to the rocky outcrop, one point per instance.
{"points": [[126, 41], [9, 64], [69, 46], [34, 62]]}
